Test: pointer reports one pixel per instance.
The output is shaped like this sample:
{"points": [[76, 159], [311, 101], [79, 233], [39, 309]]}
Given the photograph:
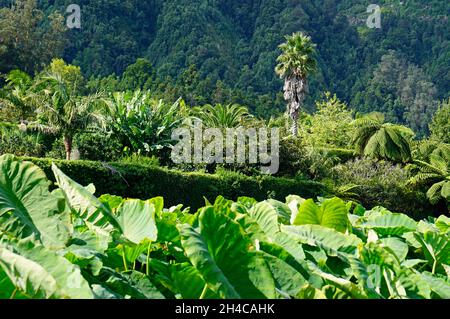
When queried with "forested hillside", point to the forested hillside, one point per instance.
{"points": [[217, 51]]}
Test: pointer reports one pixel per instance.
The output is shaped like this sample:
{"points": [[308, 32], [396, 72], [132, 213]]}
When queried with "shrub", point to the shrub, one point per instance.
{"points": [[98, 146], [137, 159], [298, 159], [14, 141], [294, 159], [379, 183]]}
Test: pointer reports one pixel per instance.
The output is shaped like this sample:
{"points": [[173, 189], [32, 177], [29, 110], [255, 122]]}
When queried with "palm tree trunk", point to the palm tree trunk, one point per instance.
{"points": [[294, 128], [68, 146]]}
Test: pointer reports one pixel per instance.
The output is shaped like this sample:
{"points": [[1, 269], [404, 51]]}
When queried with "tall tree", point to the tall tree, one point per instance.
{"points": [[295, 64], [28, 38], [440, 125], [418, 94]]}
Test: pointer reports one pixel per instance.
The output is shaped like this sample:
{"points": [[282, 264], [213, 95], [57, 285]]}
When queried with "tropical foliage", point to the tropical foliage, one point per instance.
{"points": [[70, 244], [143, 125]]}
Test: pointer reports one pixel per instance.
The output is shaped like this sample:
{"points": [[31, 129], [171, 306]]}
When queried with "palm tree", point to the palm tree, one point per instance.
{"points": [[374, 138], [295, 64], [64, 111], [222, 116], [435, 172], [16, 97]]}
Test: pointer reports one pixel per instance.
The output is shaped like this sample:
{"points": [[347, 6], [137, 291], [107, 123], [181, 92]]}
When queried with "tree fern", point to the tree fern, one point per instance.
{"points": [[374, 138], [436, 173]]}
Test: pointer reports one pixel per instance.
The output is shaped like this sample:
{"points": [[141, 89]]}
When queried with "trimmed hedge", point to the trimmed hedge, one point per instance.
{"points": [[189, 189]]}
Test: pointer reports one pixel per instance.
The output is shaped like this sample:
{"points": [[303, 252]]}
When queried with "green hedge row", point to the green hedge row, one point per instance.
{"points": [[177, 187]]}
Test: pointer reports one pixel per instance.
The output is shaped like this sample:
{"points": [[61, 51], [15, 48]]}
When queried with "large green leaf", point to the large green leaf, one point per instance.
{"points": [[167, 229], [41, 273], [398, 247], [438, 285], [289, 273], [83, 201], [27, 207], [287, 279], [283, 211], [131, 284], [267, 215], [391, 224], [436, 248], [222, 256], [282, 254], [443, 224], [197, 251], [86, 249], [136, 219], [332, 213], [267, 218], [187, 281], [322, 237]]}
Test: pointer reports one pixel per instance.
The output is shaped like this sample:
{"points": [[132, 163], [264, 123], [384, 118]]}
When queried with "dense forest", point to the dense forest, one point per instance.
{"points": [[225, 51]]}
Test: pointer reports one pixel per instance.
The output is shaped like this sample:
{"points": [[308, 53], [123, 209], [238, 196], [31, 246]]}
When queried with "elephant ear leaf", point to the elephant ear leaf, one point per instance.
{"points": [[438, 285], [332, 213], [40, 273], [266, 216], [27, 208], [443, 224], [325, 238], [222, 256], [136, 219], [391, 224], [435, 247], [88, 207]]}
